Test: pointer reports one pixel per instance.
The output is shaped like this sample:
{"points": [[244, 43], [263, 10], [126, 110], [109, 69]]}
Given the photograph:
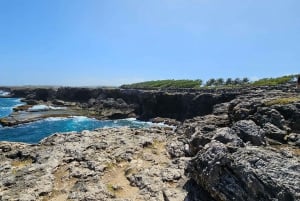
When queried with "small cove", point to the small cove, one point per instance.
{"points": [[35, 131]]}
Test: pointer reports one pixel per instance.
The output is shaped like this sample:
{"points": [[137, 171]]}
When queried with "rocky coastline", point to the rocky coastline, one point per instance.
{"points": [[235, 144]]}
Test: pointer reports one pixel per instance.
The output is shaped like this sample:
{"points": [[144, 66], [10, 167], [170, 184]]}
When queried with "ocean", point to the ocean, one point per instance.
{"points": [[34, 132], [7, 105]]}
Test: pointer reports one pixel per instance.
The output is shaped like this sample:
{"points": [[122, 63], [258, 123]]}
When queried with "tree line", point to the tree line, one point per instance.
{"points": [[218, 82], [228, 81]]}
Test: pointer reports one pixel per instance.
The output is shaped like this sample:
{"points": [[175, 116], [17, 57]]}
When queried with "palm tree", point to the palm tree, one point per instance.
{"points": [[245, 80], [237, 81], [210, 82], [228, 81], [220, 81]]}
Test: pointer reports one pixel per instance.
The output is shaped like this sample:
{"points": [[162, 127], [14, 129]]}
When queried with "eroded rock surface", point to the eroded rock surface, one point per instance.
{"points": [[107, 164], [251, 158], [231, 146]]}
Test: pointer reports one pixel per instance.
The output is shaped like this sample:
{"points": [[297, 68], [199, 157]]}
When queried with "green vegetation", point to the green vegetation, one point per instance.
{"points": [[274, 81], [228, 82], [21, 163], [283, 101], [211, 83], [165, 84], [110, 165], [111, 188]]}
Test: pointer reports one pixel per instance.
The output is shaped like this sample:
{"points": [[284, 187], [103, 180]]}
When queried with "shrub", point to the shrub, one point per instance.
{"points": [[274, 81], [165, 84]]}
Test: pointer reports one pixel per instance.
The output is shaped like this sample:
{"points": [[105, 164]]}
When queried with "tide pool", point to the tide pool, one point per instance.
{"points": [[36, 131]]}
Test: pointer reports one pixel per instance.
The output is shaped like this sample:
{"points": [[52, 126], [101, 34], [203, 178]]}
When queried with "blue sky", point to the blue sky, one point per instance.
{"points": [[111, 42]]}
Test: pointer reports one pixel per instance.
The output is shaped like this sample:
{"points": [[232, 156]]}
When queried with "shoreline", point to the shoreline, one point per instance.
{"points": [[232, 146]]}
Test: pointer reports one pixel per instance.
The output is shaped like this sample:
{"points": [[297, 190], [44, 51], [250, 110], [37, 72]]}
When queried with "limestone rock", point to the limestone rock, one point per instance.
{"points": [[248, 131], [250, 173]]}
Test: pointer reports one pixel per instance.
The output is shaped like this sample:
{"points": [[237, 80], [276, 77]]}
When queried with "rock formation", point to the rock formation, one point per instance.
{"points": [[227, 146]]}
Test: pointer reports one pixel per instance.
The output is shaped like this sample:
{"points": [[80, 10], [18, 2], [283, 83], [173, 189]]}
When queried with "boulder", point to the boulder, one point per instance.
{"points": [[248, 131], [227, 136], [275, 133]]}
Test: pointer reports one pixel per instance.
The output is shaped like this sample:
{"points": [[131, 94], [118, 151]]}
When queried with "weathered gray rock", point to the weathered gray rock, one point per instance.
{"points": [[219, 128], [250, 173], [274, 132], [92, 165], [294, 139], [248, 131], [227, 136]]}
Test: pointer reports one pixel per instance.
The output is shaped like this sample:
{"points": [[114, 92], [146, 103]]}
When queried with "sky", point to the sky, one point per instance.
{"points": [[114, 42]]}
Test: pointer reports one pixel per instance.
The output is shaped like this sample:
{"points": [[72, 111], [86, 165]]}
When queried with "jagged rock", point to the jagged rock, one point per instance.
{"points": [[92, 165], [249, 174], [221, 108], [197, 142], [227, 136], [58, 102], [170, 175], [291, 113], [294, 139], [248, 131], [217, 127], [177, 148], [274, 132], [196, 192], [276, 118]]}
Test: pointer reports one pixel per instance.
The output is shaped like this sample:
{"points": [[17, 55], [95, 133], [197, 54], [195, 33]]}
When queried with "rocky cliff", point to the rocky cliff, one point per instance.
{"points": [[229, 145], [122, 103]]}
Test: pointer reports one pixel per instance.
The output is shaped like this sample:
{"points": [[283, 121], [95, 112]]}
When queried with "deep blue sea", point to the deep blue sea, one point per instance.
{"points": [[36, 131]]}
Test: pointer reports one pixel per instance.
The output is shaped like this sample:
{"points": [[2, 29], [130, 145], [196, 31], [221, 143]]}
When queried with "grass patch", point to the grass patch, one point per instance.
{"points": [[110, 188], [129, 171], [274, 81], [21, 163], [110, 165], [113, 188], [17, 165], [282, 101]]}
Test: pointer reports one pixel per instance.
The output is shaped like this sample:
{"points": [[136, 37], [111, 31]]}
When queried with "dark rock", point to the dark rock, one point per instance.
{"points": [[197, 142], [248, 131], [196, 192], [276, 118], [294, 139], [291, 113], [274, 132], [229, 137], [249, 174], [31, 102], [58, 102], [5, 148]]}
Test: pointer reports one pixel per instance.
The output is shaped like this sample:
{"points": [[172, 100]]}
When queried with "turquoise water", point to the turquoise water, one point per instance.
{"points": [[7, 105], [36, 131]]}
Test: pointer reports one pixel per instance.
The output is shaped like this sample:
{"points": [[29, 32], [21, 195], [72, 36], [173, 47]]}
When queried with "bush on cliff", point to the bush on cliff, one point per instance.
{"points": [[274, 81], [165, 84]]}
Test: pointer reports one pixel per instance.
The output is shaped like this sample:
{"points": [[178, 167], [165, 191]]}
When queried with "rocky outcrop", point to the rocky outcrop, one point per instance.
{"points": [[227, 146], [248, 155], [106, 164], [249, 173], [114, 103]]}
